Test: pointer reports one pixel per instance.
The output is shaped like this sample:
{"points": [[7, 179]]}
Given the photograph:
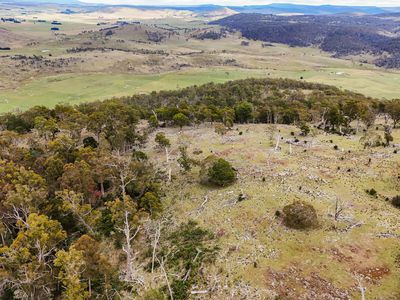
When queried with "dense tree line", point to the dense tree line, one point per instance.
{"points": [[280, 101], [79, 197]]}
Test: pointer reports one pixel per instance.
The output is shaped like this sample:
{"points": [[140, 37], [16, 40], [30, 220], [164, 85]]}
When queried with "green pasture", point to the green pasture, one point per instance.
{"points": [[75, 89], [78, 88]]}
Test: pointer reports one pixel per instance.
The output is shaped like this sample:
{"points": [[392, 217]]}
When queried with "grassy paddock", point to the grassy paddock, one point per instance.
{"points": [[78, 88], [75, 89]]}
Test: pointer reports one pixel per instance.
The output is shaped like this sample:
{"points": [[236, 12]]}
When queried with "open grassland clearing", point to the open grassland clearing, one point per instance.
{"points": [[258, 251], [75, 88]]}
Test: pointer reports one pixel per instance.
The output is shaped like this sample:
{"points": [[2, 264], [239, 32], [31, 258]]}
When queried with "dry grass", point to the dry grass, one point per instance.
{"points": [[273, 260]]}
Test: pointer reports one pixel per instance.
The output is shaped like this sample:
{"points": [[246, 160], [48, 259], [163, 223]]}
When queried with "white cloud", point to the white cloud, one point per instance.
{"points": [[253, 2]]}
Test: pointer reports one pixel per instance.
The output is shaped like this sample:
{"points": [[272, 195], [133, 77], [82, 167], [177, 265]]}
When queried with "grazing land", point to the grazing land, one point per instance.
{"points": [[120, 54], [261, 256]]}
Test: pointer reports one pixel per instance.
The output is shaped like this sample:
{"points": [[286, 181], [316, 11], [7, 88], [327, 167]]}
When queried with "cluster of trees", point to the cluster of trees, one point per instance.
{"points": [[280, 101], [265, 101], [80, 208], [210, 35], [81, 203]]}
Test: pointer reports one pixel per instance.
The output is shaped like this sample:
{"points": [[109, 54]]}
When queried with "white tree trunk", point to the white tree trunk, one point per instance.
{"points": [[277, 143]]}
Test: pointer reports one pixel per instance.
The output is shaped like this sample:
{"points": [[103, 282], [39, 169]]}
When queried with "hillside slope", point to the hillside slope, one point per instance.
{"points": [[342, 35]]}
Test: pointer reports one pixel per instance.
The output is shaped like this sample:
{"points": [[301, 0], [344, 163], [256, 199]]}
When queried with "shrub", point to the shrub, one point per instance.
{"points": [[197, 151], [181, 120], [154, 295], [150, 203], [396, 201], [372, 192], [189, 247], [220, 129], [139, 155], [371, 140], [181, 289], [221, 173], [184, 161], [305, 129], [153, 122], [300, 215], [205, 166], [90, 142], [162, 140], [388, 138]]}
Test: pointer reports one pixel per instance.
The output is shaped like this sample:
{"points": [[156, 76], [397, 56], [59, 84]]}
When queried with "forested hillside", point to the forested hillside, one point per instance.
{"points": [[340, 34], [82, 204]]}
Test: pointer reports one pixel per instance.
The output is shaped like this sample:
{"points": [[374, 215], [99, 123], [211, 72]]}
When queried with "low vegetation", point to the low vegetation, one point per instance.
{"points": [[203, 176], [221, 173], [300, 215], [396, 201]]}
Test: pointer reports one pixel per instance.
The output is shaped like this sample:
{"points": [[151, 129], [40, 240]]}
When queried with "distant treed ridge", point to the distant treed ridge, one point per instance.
{"points": [[339, 34]]}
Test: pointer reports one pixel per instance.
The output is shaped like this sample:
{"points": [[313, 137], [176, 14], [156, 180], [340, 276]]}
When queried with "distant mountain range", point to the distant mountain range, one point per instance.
{"points": [[275, 8], [314, 10], [22, 2]]}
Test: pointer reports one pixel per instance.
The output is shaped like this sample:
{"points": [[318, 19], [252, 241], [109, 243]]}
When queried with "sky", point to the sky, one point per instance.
{"points": [[251, 2]]}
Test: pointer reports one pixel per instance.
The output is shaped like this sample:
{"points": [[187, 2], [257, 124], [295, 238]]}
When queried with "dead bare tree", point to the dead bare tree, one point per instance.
{"points": [[339, 208], [124, 212], [202, 206], [361, 288], [278, 139], [157, 236], [123, 171], [161, 263]]}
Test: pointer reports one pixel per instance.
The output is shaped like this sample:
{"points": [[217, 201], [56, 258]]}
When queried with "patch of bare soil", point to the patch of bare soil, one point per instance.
{"points": [[373, 274], [292, 284]]}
